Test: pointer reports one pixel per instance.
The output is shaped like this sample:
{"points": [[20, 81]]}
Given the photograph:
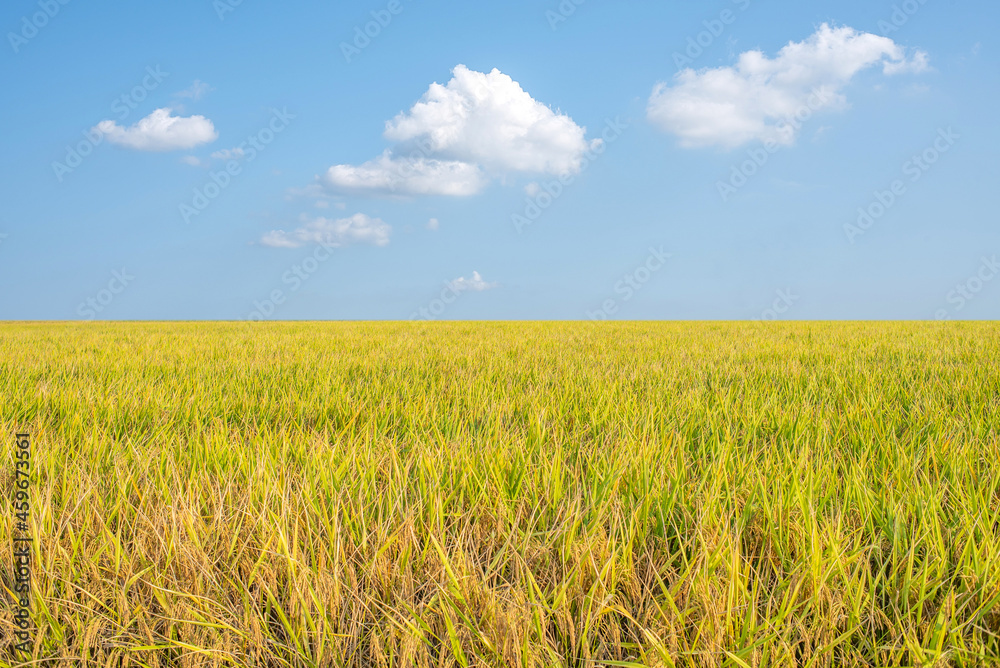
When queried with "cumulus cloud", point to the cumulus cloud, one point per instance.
{"points": [[433, 224], [758, 98], [160, 131], [474, 284], [490, 120], [460, 134], [359, 228], [405, 176]]}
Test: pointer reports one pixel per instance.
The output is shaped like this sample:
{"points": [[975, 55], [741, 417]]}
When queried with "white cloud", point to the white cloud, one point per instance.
{"points": [[195, 91], [920, 62], [224, 154], [433, 224], [490, 120], [160, 132], [532, 189], [758, 97], [387, 175], [229, 154], [459, 134], [280, 239], [359, 228], [475, 284]]}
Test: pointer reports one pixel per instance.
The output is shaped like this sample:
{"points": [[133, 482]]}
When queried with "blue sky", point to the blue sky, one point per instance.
{"points": [[684, 186]]}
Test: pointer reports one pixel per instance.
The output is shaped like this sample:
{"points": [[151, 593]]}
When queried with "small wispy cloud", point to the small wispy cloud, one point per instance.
{"points": [[229, 154], [195, 91], [358, 228], [474, 284]]}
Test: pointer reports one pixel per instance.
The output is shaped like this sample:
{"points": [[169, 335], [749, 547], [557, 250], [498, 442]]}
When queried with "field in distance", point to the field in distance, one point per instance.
{"points": [[507, 494]]}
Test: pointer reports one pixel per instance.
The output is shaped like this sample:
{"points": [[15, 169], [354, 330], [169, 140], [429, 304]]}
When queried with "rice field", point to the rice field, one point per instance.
{"points": [[510, 494]]}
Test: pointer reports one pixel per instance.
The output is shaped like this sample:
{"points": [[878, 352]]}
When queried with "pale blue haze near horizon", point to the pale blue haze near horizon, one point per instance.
{"points": [[775, 247]]}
